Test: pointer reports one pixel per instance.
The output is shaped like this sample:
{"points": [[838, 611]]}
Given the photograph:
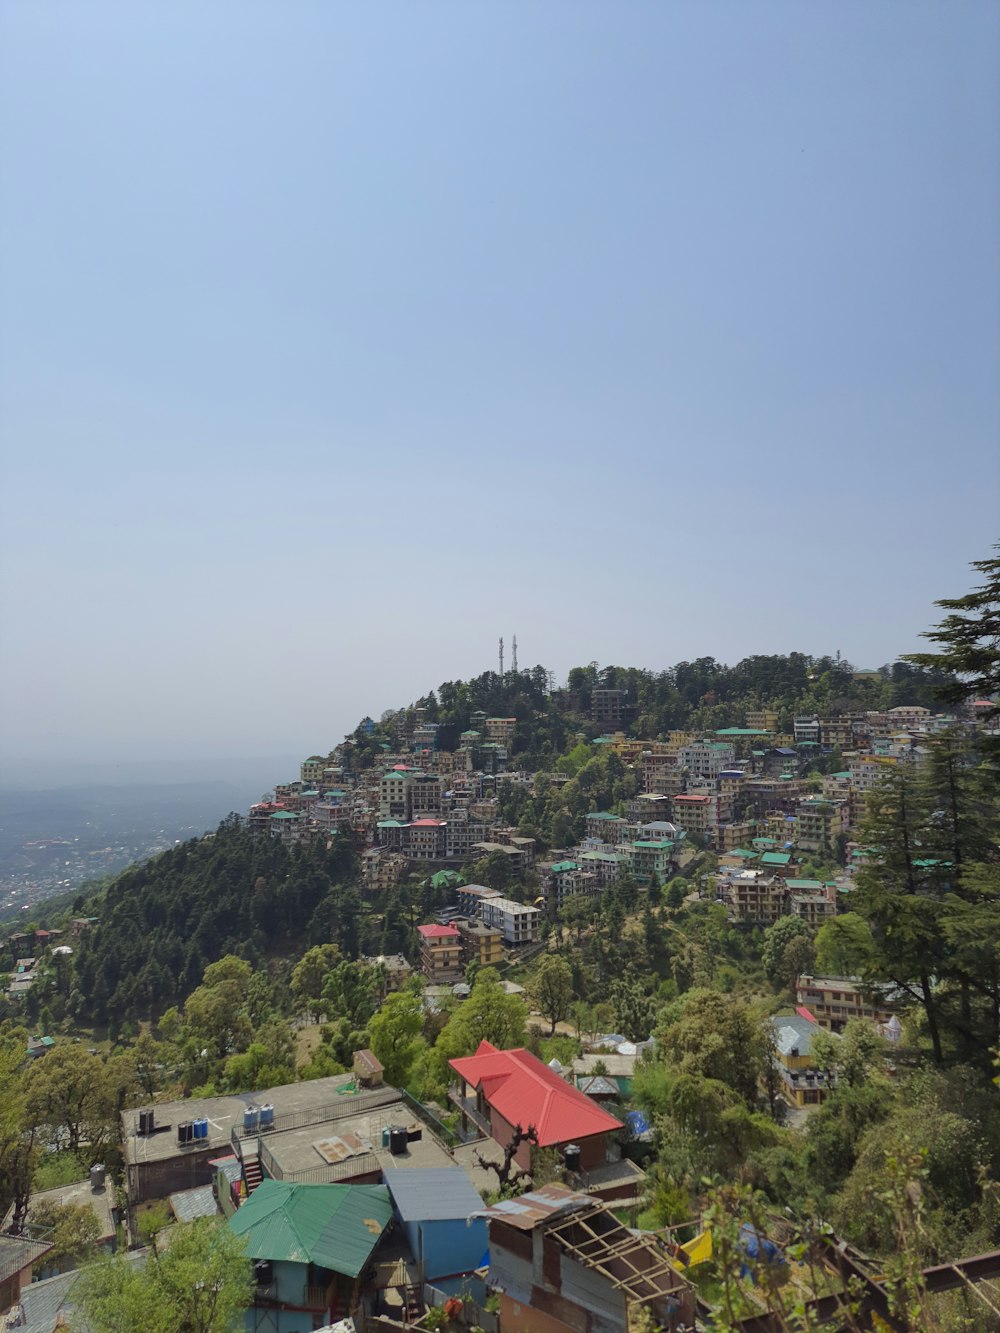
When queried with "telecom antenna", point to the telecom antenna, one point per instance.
{"points": [[513, 656], [501, 659]]}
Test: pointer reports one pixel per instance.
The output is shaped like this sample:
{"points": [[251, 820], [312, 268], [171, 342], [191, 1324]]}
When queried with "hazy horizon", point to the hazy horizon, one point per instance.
{"points": [[338, 341]]}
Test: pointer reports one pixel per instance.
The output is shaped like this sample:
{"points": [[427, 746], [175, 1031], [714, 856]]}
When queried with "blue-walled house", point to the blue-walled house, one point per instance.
{"points": [[310, 1246], [434, 1207]]}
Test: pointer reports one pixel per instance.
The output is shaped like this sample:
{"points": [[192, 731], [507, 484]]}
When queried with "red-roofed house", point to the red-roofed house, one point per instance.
{"points": [[440, 953], [509, 1088]]}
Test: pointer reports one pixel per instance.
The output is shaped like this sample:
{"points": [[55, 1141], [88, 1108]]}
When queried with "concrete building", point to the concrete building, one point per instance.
{"points": [[836, 1000], [440, 953], [518, 923]]}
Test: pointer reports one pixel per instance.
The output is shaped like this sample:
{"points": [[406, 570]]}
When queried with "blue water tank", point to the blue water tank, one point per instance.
{"points": [[201, 1128], [266, 1115], [250, 1114]]}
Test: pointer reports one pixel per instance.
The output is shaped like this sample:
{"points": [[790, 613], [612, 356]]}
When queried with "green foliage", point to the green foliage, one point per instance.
{"points": [[968, 638], [72, 1229], [395, 1032], [777, 939], [843, 946], [201, 1283], [551, 988]]}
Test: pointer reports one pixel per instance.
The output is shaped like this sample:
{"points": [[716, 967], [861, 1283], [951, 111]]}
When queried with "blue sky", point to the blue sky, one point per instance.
{"points": [[337, 340]]}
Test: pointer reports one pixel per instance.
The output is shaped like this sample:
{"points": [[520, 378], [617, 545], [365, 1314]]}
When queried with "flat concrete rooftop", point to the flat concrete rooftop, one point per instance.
{"points": [[295, 1150], [290, 1101]]}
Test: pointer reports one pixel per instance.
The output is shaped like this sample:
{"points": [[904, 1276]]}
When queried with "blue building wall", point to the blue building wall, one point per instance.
{"points": [[447, 1247], [289, 1284]]}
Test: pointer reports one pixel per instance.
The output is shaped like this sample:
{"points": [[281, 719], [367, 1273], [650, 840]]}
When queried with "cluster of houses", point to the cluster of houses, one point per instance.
{"points": [[356, 1203], [27, 955], [740, 791]]}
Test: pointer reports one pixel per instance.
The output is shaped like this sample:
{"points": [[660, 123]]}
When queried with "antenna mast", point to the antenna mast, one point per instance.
{"points": [[501, 659], [513, 658]]}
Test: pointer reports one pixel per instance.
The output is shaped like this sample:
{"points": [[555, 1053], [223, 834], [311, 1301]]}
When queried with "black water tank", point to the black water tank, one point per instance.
{"points": [[147, 1122], [184, 1133], [262, 1272], [397, 1139], [571, 1157]]}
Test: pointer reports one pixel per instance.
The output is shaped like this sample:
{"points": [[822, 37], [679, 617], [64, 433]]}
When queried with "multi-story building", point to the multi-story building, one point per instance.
{"points": [[705, 760], [518, 858], [819, 822], [806, 730], [604, 826], [804, 1083], [470, 896], [762, 719], [500, 730], [837, 733], [647, 857], [812, 908], [608, 708], [427, 840], [382, 869], [517, 922], [661, 772], [396, 794], [606, 866], [480, 943], [461, 835], [649, 807], [835, 1000], [312, 770], [286, 825], [426, 795], [440, 953], [754, 896]]}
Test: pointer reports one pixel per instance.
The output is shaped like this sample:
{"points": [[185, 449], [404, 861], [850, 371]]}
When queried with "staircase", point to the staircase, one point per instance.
{"points": [[252, 1174], [413, 1303]]}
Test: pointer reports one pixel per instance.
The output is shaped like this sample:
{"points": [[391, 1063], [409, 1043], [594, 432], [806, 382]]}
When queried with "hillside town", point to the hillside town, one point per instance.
{"points": [[513, 1191]]}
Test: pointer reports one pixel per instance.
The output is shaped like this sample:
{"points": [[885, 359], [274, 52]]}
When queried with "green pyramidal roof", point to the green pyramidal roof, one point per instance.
{"points": [[334, 1226]]}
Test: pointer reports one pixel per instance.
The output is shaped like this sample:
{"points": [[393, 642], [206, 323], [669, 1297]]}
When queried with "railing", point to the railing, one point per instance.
{"points": [[318, 1115], [362, 1165], [468, 1108], [444, 1133], [315, 1297]]}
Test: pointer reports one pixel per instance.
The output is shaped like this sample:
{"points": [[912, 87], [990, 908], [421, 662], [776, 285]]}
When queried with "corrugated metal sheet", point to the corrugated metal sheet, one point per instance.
{"points": [[434, 1194], [537, 1206], [335, 1226], [189, 1204]]}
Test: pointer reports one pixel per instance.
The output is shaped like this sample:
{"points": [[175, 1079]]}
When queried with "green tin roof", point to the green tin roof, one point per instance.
{"points": [[333, 1226], [775, 858], [558, 867], [741, 731], [604, 814], [806, 884], [284, 814]]}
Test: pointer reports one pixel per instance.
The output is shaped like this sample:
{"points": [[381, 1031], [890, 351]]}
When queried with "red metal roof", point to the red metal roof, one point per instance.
{"points": [[527, 1092], [427, 823], [803, 1012], [437, 932]]}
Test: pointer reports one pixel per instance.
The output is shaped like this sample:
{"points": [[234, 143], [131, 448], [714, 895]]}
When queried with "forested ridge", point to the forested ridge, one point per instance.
{"points": [[161, 922]]}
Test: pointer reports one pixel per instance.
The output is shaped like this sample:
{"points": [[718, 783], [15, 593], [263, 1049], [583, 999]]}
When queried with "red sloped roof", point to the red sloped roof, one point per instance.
{"points": [[527, 1092], [437, 932], [803, 1012]]}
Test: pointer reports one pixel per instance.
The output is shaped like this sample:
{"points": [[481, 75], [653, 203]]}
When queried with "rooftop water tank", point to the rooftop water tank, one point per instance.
{"points": [[97, 1174]]}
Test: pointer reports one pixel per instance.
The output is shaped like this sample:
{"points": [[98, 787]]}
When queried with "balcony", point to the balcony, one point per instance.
{"points": [[471, 1112]]}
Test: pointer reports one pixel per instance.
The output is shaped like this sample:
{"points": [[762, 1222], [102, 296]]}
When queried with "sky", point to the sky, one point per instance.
{"points": [[338, 340]]}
